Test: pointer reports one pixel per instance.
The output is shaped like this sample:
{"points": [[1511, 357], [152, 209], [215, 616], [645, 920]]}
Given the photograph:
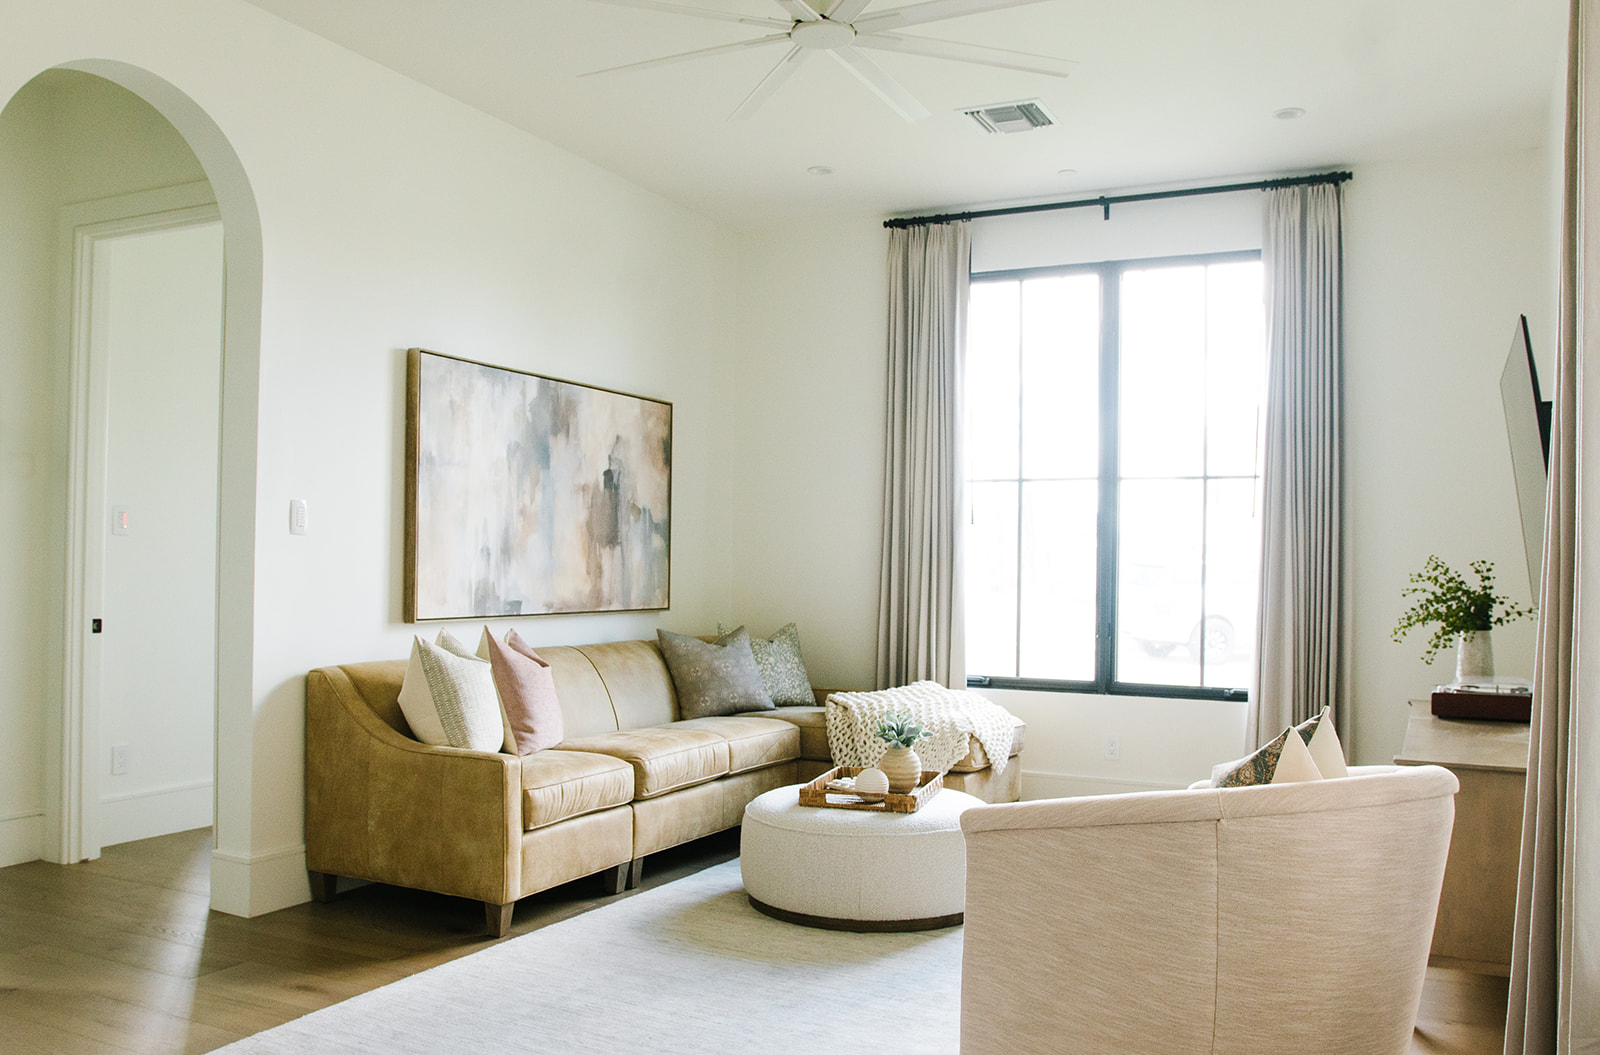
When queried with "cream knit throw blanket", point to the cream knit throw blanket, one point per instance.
{"points": [[949, 717]]}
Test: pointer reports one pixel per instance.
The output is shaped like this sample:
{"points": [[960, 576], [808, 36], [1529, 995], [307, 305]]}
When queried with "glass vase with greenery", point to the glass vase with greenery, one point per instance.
{"points": [[1445, 600]]}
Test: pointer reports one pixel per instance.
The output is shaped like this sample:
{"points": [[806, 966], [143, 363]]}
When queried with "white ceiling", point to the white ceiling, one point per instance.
{"points": [[1165, 91]]}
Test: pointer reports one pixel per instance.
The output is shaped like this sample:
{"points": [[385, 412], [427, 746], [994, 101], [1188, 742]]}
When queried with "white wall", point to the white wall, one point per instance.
{"points": [[157, 327], [64, 138], [1440, 258], [808, 452], [393, 217]]}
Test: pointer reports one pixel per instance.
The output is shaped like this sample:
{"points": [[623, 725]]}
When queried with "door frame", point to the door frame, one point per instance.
{"points": [[72, 779]]}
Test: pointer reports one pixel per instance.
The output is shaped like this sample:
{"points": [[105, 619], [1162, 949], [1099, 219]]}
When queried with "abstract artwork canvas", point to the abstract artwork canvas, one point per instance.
{"points": [[527, 495]]}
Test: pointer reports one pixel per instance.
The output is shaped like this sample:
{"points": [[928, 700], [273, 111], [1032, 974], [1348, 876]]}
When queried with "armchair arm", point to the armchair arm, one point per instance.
{"points": [[384, 807]]}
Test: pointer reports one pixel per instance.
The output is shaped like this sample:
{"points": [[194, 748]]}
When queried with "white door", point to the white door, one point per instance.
{"points": [[155, 337]]}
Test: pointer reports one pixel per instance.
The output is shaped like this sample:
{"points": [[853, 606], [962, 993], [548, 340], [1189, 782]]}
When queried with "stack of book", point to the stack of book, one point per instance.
{"points": [[1499, 701]]}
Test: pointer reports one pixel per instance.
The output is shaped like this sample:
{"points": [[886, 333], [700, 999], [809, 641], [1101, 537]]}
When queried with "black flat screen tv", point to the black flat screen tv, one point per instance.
{"points": [[1528, 430]]}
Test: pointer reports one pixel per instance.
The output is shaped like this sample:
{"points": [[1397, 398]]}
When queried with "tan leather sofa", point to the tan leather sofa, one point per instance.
{"points": [[629, 779], [1253, 920]]}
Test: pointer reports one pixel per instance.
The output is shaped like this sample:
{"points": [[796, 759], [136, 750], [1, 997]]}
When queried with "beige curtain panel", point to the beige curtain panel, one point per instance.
{"points": [[1298, 618], [919, 594], [1554, 1006]]}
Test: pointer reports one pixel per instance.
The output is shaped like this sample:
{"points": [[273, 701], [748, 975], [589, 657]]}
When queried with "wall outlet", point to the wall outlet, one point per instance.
{"points": [[119, 760], [1113, 746]]}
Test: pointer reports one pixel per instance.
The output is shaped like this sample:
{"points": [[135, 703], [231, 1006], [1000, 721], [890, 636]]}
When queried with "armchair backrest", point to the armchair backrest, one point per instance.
{"points": [[1283, 918]]}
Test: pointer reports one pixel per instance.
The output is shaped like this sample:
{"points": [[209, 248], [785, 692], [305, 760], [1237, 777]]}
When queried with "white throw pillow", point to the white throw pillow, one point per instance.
{"points": [[1326, 751], [1295, 764], [449, 698]]}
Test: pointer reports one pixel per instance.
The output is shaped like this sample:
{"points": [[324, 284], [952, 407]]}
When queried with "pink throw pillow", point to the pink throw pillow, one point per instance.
{"points": [[527, 693]]}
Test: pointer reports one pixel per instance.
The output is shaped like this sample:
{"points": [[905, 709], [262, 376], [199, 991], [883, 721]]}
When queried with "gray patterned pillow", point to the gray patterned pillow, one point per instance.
{"points": [[713, 678], [783, 671]]}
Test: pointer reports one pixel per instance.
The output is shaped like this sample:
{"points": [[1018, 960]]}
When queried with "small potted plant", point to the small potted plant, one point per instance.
{"points": [[900, 763], [1459, 613]]}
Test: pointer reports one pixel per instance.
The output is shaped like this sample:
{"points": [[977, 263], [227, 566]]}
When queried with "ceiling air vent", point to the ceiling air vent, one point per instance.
{"points": [[1011, 117]]}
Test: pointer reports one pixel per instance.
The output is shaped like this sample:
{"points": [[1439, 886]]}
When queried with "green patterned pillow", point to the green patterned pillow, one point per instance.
{"points": [[783, 671], [1284, 760]]}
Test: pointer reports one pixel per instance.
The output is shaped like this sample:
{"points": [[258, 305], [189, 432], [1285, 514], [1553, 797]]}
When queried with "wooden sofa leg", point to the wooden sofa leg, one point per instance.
{"points": [[497, 918], [635, 872], [324, 887], [614, 880]]}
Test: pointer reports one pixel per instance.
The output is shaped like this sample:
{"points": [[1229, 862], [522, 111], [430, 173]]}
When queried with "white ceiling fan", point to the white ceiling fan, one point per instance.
{"points": [[839, 29]]}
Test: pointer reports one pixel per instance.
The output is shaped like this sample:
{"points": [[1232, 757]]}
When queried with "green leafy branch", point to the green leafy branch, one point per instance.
{"points": [[899, 730], [1444, 598]]}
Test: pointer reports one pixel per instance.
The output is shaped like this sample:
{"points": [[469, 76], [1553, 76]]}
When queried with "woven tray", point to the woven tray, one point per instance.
{"points": [[817, 793]]}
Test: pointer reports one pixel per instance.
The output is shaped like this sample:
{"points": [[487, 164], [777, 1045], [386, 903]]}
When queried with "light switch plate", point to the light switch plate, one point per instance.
{"points": [[119, 760], [121, 521], [298, 519]]}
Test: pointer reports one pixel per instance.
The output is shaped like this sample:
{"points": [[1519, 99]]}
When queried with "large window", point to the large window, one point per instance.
{"points": [[1113, 462]]}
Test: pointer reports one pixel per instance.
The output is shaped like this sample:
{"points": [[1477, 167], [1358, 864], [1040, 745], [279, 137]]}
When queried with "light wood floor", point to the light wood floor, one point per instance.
{"points": [[124, 955]]}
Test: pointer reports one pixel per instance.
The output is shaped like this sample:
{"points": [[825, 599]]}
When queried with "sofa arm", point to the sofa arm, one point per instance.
{"points": [[384, 807]]}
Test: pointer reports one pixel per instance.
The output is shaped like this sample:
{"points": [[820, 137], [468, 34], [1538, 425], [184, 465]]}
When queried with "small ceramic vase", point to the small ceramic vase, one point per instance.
{"points": [[903, 768], [1474, 656]]}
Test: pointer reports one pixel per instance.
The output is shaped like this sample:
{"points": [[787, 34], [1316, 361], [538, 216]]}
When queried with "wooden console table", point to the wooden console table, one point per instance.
{"points": [[1478, 904]]}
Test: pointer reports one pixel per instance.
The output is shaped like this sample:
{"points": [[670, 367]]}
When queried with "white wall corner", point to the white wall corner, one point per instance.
{"points": [[158, 811], [255, 884], [1037, 785], [21, 838]]}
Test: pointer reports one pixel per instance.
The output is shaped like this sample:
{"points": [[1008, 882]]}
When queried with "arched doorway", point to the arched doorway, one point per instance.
{"points": [[61, 726]]}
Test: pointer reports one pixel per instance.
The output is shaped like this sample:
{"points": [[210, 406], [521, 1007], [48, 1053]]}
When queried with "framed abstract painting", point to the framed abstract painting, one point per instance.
{"points": [[528, 495]]}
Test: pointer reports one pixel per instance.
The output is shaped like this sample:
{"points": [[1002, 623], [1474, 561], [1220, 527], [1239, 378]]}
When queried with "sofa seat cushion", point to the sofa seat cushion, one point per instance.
{"points": [[978, 758], [664, 758], [812, 723], [561, 784], [752, 742]]}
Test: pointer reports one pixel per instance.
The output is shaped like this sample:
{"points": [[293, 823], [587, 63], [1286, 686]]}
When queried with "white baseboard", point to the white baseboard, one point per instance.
{"points": [[255, 884], [21, 838], [159, 811], [1036, 785]]}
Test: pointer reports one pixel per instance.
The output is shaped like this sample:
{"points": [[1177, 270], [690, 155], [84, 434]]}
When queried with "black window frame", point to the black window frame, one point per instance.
{"points": [[1108, 516]]}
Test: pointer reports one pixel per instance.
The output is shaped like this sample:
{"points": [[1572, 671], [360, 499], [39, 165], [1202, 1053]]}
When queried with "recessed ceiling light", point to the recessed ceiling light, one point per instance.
{"points": [[1289, 113], [820, 170], [1066, 172]]}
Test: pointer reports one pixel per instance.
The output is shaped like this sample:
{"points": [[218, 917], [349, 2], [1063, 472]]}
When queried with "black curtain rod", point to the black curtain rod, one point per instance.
{"points": [[1106, 203]]}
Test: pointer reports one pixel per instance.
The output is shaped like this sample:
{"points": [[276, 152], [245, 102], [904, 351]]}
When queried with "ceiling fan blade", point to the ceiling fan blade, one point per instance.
{"points": [[846, 10], [884, 86], [698, 12], [800, 10], [682, 56], [770, 83], [933, 11], [974, 53]]}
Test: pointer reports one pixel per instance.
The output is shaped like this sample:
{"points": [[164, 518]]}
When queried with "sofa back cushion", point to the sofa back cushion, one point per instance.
{"points": [[637, 677], [585, 704]]}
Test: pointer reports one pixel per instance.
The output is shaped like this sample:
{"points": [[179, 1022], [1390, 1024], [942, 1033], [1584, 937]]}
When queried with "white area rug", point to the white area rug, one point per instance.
{"points": [[688, 967]]}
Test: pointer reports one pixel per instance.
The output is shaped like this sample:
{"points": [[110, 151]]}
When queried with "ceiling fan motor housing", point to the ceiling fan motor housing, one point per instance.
{"points": [[822, 35]]}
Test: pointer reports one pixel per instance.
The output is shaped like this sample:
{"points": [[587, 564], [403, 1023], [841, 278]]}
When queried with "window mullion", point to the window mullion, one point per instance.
{"points": [[1106, 584], [1022, 300]]}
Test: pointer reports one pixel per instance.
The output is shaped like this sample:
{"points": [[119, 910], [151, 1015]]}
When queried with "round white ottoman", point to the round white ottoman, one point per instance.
{"points": [[856, 869]]}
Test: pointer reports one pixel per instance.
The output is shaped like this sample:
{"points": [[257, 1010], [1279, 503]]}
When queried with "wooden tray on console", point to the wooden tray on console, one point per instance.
{"points": [[817, 793]]}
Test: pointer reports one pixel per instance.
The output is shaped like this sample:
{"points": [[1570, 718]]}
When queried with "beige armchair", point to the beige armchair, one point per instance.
{"points": [[1288, 918]]}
